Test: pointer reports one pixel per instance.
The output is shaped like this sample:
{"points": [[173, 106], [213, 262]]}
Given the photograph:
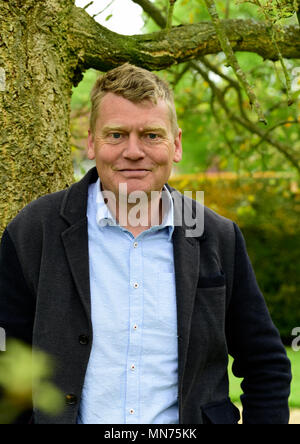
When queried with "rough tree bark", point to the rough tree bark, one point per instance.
{"points": [[38, 72], [45, 45]]}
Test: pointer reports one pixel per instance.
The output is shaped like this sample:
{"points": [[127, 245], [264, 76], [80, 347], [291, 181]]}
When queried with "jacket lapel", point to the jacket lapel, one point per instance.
{"points": [[75, 237], [186, 261], [187, 269], [75, 241]]}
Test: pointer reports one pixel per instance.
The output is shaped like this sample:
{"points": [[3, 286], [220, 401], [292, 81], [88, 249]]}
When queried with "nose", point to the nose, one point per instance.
{"points": [[134, 149]]}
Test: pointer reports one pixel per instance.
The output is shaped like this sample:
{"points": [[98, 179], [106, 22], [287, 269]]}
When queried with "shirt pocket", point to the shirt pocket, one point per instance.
{"points": [[166, 301]]}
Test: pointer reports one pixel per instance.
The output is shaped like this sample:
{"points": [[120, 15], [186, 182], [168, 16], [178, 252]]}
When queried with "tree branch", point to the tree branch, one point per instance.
{"points": [[159, 19], [170, 14], [153, 12], [232, 59], [233, 83], [217, 94], [284, 149], [97, 47]]}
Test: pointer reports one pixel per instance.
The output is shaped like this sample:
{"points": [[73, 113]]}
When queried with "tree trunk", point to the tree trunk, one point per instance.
{"points": [[37, 74], [45, 45]]}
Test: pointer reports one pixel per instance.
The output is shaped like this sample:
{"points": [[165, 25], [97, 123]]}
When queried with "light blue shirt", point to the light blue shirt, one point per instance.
{"points": [[132, 374]]}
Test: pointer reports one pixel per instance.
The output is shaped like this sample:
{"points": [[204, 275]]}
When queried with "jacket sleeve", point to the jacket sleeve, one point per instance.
{"points": [[16, 303], [255, 345], [17, 306]]}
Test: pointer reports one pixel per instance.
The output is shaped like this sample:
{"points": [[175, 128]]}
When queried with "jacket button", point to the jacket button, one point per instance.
{"points": [[71, 399], [83, 340]]}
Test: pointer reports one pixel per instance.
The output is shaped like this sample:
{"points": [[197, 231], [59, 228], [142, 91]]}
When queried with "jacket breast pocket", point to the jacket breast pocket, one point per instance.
{"points": [[222, 412], [214, 281], [211, 295], [208, 321]]}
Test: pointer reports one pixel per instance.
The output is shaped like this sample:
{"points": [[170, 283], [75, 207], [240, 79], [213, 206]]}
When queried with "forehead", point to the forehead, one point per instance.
{"points": [[117, 110]]}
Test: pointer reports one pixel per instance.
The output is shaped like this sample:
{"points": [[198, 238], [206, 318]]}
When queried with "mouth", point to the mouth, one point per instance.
{"points": [[134, 169], [134, 172]]}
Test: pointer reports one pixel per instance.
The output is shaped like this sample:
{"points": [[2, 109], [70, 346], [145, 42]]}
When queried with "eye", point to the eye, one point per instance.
{"points": [[152, 136], [116, 136]]}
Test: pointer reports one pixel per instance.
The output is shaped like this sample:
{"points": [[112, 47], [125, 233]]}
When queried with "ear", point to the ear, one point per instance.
{"points": [[178, 147], [91, 146]]}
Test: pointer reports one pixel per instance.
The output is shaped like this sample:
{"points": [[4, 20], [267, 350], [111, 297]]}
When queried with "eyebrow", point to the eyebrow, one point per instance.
{"points": [[154, 129], [149, 128], [108, 128]]}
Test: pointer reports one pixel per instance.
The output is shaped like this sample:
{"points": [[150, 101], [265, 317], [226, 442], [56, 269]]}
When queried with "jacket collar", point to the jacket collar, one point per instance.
{"points": [[74, 205]]}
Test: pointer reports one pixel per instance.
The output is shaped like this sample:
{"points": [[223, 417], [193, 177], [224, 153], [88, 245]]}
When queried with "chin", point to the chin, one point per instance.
{"points": [[138, 190], [133, 186]]}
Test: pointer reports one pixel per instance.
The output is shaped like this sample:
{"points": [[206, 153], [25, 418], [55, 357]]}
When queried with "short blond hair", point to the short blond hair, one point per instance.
{"points": [[134, 84]]}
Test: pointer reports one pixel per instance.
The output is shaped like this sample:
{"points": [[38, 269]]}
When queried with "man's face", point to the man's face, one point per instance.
{"points": [[133, 144]]}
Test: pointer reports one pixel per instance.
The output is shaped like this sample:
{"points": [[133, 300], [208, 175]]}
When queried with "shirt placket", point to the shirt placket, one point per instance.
{"points": [[132, 406]]}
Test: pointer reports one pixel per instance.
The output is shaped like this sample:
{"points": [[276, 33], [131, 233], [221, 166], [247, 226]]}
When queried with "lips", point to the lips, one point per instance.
{"points": [[134, 173]]}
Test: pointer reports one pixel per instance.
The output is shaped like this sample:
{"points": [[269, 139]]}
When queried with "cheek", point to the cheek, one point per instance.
{"points": [[106, 154], [163, 155]]}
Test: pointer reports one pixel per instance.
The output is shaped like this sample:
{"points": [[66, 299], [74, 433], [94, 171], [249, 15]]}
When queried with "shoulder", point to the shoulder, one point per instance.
{"points": [[41, 206], [212, 222], [36, 213]]}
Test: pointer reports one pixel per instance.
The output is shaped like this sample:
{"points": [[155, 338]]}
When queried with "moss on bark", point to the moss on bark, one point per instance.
{"points": [[35, 157]]}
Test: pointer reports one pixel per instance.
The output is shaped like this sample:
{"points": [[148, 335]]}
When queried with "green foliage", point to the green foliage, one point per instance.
{"points": [[295, 389], [213, 140], [276, 10], [81, 94], [276, 260], [214, 137], [294, 400], [21, 369], [80, 121]]}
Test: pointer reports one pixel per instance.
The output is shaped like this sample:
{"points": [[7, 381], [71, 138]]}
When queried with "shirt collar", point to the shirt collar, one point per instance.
{"points": [[104, 216]]}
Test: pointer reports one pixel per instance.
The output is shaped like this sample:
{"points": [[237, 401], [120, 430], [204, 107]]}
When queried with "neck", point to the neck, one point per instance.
{"points": [[137, 212]]}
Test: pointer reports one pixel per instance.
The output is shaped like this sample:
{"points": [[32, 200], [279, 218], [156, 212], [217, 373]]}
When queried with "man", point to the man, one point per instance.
{"points": [[140, 317]]}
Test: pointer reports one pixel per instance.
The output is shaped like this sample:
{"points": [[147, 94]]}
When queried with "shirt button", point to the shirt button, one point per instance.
{"points": [[135, 244], [136, 285], [135, 327], [132, 367], [83, 340], [131, 411], [71, 399]]}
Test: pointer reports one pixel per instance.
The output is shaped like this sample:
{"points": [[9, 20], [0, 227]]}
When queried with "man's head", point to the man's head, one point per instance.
{"points": [[133, 135], [136, 85]]}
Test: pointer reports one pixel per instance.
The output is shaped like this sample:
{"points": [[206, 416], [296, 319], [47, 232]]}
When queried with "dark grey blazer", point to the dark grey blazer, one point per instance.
{"points": [[45, 300]]}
